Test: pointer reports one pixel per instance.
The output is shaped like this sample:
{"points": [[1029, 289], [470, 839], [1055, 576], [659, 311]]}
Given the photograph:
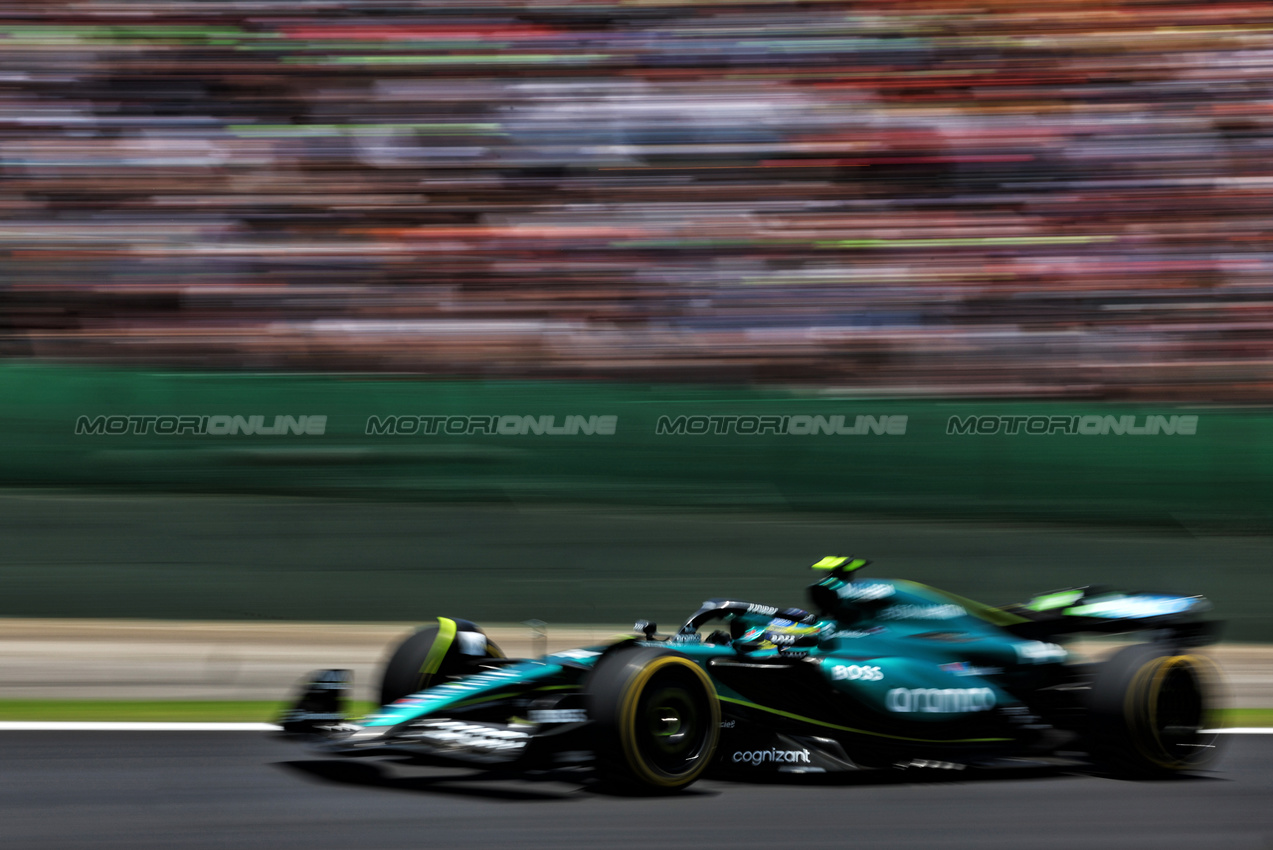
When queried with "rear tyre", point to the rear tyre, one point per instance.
{"points": [[1149, 708], [432, 655], [656, 716]]}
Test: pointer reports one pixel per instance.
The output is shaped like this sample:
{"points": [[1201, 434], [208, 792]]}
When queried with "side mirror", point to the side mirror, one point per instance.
{"points": [[646, 628]]}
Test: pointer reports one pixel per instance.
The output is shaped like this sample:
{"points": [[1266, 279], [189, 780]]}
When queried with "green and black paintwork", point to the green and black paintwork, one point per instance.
{"points": [[886, 672]]}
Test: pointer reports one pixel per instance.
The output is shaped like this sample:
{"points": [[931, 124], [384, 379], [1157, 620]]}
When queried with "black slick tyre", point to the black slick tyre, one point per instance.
{"points": [[1149, 708], [432, 655], [656, 718]]}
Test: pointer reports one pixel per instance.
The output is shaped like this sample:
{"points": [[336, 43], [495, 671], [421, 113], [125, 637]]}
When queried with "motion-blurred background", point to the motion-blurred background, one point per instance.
{"points": [[990, 198], [642, 209]]}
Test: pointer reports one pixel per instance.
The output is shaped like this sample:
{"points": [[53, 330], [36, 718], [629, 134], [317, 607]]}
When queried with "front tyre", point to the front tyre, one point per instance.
{"points": [[432, 655], [1149, 709], [656, 716]]}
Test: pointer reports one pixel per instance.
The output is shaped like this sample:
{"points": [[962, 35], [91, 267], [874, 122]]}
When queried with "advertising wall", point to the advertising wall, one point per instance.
{"points": [[628, 443]]}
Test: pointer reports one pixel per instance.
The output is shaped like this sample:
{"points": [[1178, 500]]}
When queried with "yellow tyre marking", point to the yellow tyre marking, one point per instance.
{"points": [[1136, 706], [1140, 706], [628, 718]]}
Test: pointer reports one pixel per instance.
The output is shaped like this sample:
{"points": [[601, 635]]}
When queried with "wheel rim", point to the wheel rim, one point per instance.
{"points": [[1180, 713], [672, 719]]}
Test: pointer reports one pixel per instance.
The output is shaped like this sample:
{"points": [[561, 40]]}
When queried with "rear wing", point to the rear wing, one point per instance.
{"points": [[1103, 610]]}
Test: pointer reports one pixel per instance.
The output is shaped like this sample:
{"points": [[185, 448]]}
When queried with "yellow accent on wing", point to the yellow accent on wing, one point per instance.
{"points": [[782, 713]]}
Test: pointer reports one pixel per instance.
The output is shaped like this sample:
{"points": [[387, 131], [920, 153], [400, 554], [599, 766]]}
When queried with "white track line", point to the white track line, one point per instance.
{"points": [[127, 726], [121, 726]]}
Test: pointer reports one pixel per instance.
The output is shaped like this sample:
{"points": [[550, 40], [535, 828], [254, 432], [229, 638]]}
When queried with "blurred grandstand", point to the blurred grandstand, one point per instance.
{"points": [[993, 198]]}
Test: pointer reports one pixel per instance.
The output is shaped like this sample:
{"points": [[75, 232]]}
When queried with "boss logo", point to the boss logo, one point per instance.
{"points": [[856, 672]]}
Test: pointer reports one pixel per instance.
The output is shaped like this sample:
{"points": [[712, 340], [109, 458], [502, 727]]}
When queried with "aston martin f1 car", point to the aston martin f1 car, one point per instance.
{"points": [[882, 673]]}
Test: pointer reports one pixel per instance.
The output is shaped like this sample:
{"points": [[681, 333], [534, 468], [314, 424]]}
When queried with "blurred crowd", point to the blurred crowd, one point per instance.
{"points": [[971, 197]]}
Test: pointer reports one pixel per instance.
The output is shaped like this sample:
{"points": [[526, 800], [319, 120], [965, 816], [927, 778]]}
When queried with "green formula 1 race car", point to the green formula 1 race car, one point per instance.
{"points": [[886, 673]]}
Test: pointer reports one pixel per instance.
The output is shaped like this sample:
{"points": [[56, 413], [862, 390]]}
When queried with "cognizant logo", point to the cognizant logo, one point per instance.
{"points": [[773, 754]]}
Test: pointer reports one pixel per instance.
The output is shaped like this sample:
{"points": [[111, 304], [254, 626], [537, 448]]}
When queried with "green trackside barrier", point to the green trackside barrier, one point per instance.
{"points": [[385, 436]]}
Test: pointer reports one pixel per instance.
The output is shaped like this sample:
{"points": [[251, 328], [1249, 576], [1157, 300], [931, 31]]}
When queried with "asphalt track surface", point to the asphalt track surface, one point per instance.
{"points": [[221, 790]]}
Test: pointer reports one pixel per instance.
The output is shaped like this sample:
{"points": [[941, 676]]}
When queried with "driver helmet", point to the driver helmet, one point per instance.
{"points": [[780, 632]]}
